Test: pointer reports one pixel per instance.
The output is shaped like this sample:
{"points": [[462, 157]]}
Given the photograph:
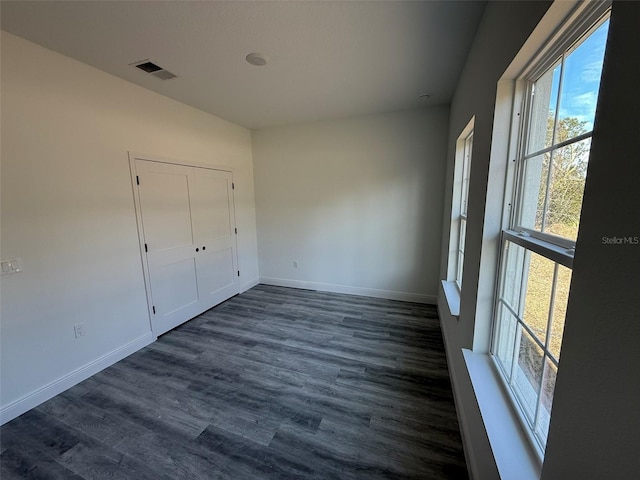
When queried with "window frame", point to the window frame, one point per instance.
{"points": [[556, 249], [452, 285], [559, 258], [553, 52]]}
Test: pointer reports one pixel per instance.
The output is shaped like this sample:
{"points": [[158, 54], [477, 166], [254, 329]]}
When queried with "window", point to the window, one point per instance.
{"points": [[559, 95], [467, 145], [458, 233]]}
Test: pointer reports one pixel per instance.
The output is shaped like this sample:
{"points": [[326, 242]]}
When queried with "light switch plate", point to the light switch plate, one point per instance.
{"points": [[80, 330]]}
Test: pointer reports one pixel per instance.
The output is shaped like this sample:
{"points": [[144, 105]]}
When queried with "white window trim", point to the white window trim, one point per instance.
{"points": [[452, 295], [552, 251], [511, 448]]}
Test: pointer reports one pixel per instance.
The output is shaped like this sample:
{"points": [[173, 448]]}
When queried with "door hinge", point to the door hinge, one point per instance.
{"points": [[146, 249], [233, 186], [236, 231], [154, 309], [137, 180], [238, 272]]}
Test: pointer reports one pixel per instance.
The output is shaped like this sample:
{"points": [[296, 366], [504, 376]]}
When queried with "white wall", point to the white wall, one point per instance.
{"points": [[68, 211], [356, 202]]}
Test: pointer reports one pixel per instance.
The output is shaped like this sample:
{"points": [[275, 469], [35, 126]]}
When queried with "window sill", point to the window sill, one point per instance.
{"points": [[452, 294], [512, 451]]}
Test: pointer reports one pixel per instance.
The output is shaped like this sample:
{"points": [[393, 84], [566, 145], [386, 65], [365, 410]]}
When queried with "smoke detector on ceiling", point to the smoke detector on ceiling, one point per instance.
{"points": [[153, 69]]}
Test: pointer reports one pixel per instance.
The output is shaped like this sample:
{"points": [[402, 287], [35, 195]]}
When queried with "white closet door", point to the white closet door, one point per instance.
{"points": [[188, 227], [170, 242], [212, 213]]}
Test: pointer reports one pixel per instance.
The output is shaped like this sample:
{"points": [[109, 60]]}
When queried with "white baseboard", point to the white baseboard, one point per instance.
{"points": [[365, 292], [26, 403], [249, 284]]}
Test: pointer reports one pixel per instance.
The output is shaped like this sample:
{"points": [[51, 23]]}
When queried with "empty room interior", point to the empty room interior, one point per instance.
{"points": [[337, 240]]}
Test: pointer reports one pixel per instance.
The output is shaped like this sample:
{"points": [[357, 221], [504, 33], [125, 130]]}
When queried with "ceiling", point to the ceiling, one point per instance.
{"points": [[326, 59]]}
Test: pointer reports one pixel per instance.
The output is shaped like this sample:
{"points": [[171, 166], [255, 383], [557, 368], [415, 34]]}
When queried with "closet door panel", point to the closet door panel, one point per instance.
{"points": [[175, 287], [164, 193], [216, 275], [169, 239], [215, 227]]}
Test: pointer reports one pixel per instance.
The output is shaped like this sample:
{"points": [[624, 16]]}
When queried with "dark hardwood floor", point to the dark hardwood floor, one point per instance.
{"points": [[274, 383]]}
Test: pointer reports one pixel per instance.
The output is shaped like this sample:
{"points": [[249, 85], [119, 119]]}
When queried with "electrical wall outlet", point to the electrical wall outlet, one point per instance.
{"points": [[13, 265], [80, 330]]}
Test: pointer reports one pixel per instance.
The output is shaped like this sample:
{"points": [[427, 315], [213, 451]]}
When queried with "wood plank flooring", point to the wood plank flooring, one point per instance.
{"points": [[275, 383]]}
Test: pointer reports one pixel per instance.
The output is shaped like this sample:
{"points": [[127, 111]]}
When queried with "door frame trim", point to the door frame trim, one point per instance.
{"points": [[176, 161], [133, 156]]}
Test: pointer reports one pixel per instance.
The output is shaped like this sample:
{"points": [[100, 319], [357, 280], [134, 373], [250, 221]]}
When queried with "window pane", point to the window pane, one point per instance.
{"points": [[466, 165], [538, 295], [464, 198], [461, 239], [505, 338], [581, 79], [543, 109], [511, 278], [563, 283], [527, 279], [564, 198], [463, 234], [459, 269], [528, 374], [546, 400], [534, 190]]}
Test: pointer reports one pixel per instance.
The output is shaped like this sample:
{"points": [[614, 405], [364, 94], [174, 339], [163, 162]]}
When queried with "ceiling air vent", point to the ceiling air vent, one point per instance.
{"points": [[153, 69]]}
